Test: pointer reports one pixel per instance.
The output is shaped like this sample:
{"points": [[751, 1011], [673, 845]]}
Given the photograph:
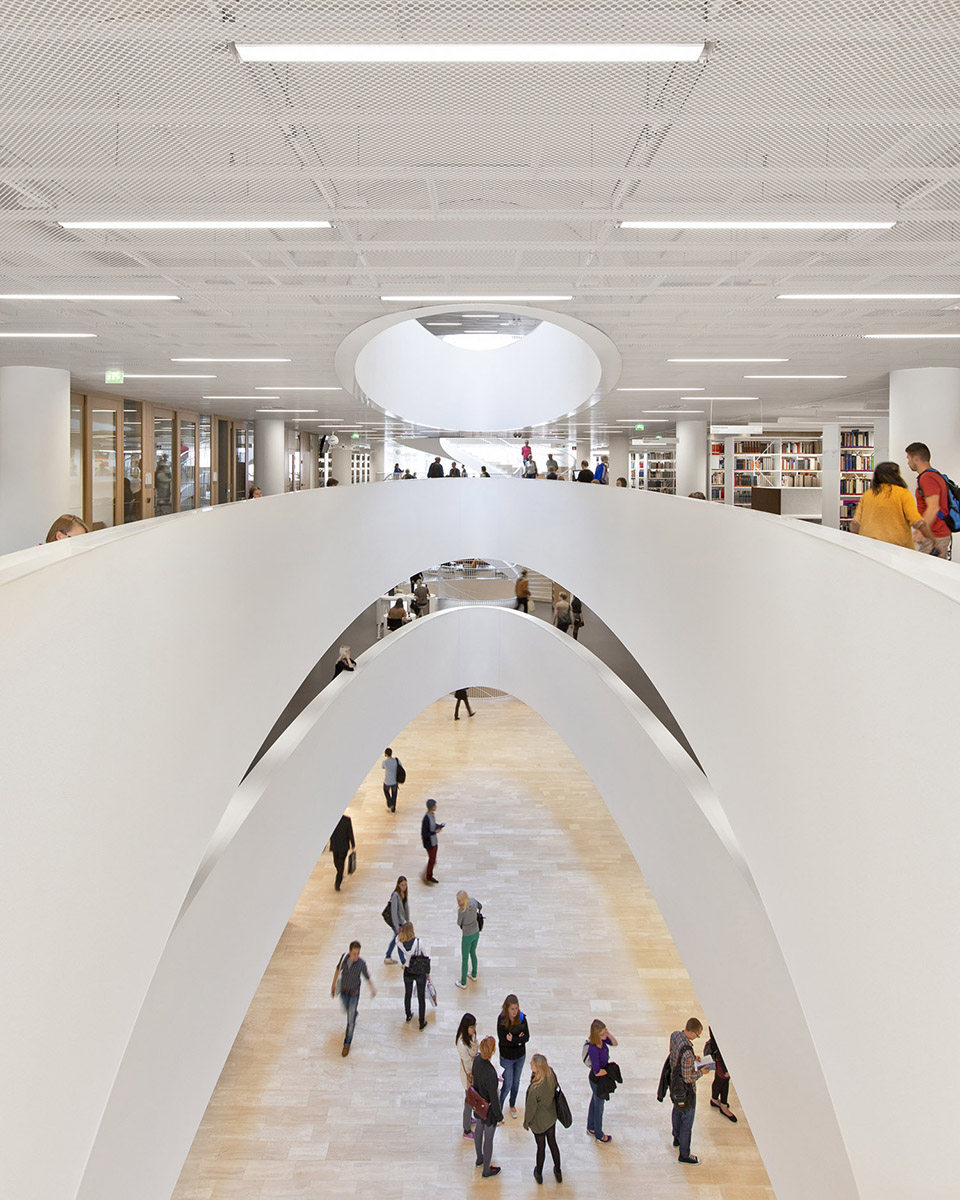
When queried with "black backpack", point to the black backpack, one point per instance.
{"points": [[401, 773], [683, 1094]]}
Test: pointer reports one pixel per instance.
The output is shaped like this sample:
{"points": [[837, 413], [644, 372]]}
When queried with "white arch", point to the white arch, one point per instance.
{"points": [[275, 829], [837, 788]]}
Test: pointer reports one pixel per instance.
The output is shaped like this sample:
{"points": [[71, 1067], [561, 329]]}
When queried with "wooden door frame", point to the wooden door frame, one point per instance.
{"points": [[101, 403], [188, 415]]}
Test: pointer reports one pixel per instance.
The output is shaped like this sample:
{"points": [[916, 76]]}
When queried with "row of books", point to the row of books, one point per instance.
{"points": [[857, 438], [800, 464], [800, 448], [853, 487], [856, 462], [812, 481]]}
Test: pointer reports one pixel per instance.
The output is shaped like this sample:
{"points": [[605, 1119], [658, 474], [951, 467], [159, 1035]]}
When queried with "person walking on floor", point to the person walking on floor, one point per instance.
{"points": [[540, 1114], [887, 511], [390, 785], [720, 1089], [421, 599], [576, 612], [341, 843], [351, 969], [399, 916], [562, 613], [521, 590], [467, 1047], [468, 918], [485, 1083], [598, 1053], [684, 1073], [513, 1033], [429, 828], [415, 972], [460, 695]]}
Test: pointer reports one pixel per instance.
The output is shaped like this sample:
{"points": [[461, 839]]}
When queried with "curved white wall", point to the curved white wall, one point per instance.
{"points": [[772, 644], [278, 820]]}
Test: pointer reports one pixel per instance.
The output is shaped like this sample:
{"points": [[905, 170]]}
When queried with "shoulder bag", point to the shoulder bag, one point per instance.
{"points": [[480, 1106], [401, 773], [564, 1115]]}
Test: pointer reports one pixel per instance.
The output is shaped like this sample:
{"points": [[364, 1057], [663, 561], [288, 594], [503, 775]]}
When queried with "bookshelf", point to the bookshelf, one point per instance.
{"points": [[755, 464], [717, 460], [856, 469], [654, 470]]}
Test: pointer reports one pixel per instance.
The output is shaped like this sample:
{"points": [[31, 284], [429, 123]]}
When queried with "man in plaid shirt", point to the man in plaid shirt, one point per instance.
{"points": [[684, 1073]]}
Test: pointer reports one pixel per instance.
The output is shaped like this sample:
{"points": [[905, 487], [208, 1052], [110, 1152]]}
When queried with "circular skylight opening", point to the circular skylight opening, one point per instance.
{"points": [[480, 341]]}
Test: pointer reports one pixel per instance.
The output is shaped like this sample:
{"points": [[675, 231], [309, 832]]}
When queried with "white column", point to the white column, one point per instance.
{"points": [[619, 454], [881, 439], [34, 453], [378, 461], [729, 474], [269, 455], [340, 457], [830, 476], [692, 457], [308, 469], [925, 407]]}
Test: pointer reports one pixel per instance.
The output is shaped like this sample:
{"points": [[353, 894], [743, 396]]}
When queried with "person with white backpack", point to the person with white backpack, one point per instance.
{"points": [[416, 972]]}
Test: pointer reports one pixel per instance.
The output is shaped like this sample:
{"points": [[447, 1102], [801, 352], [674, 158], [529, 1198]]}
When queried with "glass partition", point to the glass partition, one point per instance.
{"points": [[188, 463], [163, 462], [132, 461], [204, 478], [76, 457], [104, 434]]}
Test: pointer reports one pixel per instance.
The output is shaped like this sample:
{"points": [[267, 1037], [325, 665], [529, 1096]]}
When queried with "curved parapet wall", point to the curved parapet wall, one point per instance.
{"points": [[277, 819], [773, 644]]}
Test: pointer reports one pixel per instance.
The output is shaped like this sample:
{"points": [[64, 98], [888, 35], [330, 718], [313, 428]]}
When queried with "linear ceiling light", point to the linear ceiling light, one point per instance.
{"points": [[660, 389], [276, 410], [128, 376], [699, 398], [911, 335], [298, 389], [869, 296], [794, 376], [238, 224], [231, 360], [241, 397], [47, 335], [674, 411], [81, 296], [468, 299], [727, 360], [757, 224], [471, 52]]}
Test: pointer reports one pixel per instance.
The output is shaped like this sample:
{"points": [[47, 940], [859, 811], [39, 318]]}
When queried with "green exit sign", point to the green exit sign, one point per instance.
{"points": [[638, 428], [113, 377]]}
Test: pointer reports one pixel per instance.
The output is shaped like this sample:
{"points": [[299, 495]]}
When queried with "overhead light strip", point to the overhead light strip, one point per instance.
{"points": [[471, 299], [801, 225], [869, 296], [699, 398], [241, 397], [227, 224], [911, 335], [82, 296], [298, 389], [794, 376], [470, 52], [659, 389], [126, 375], [47, 335], [727, 360], [232, 360], [271, 411]]}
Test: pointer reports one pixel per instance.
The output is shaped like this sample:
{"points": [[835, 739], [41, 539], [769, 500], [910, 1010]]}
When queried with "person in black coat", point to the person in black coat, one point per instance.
{"points": [[341, 843], [721, 1078], [485, 1082]]}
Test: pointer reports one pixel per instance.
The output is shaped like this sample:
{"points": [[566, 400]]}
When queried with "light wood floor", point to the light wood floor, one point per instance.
{"points": [[571, 928]]}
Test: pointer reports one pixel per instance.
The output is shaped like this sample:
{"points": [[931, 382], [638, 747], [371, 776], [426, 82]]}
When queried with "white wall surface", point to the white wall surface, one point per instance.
{"points": [[113, 785], [34, 453]]}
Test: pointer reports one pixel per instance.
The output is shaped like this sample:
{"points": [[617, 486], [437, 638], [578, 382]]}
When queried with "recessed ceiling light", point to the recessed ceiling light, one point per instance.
{"points": [[442, 324], [127, 375], [232, 360], [81, 296], [869, 296], [47, 335], [794, 376], [297, 389], [470, 52], [241, 224], [757, 224], [469, 299], [266, 410], [727, 360], [660, 389], [911, 335], [241, 397]]}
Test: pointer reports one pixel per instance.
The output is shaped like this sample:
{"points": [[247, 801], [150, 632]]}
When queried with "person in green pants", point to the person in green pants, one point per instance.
{"points": [[469, 920]]}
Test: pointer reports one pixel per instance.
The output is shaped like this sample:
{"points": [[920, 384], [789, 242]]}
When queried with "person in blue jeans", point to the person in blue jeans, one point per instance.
{"points": [[598, 1045], [399, 916], [513, 1033], [351, 969]]}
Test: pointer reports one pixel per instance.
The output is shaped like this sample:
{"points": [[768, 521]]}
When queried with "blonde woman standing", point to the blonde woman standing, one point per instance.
{"points": [[468, 1048], [468, 918], [540, 1114]]}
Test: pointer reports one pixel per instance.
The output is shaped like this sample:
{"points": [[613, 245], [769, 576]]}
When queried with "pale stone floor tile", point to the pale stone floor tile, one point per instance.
{"points": [[529, 835]]}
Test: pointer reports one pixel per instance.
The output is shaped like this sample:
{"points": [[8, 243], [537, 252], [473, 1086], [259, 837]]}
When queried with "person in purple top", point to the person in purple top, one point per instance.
{"points": [[598, 1044]]}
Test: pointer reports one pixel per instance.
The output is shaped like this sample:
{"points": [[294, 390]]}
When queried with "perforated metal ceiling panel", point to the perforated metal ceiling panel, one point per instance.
{"points": [[484, 179]]}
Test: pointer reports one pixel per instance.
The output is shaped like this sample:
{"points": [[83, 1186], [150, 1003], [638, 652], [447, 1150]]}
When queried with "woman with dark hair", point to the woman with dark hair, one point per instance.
{"points": [[467, 1047], [399, 916], [513, 1033], [887, 511]]}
